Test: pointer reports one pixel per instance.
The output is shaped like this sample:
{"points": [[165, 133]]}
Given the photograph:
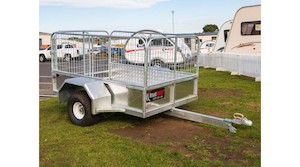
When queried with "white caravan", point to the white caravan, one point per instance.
{"points": [[222, 37], [207, 46], [245, 33]]}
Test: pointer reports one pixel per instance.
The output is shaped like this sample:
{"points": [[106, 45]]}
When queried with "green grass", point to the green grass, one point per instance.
{"points": [[64, 144]]}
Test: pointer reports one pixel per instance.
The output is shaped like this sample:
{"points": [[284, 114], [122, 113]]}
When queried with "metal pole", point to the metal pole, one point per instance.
{"points": [[109, 58], [147, 44], [173, 20], [83, 53]]}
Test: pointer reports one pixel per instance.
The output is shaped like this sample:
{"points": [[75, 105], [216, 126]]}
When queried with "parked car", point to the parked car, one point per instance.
{"points": [[99, 51], [103, 51], [116, 51], [44, 54], [207, 46]]}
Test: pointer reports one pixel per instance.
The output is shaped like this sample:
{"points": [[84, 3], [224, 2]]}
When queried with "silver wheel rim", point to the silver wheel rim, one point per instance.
{"points": [[67, 58], [157, 63], [41, 58], [78, 110]]}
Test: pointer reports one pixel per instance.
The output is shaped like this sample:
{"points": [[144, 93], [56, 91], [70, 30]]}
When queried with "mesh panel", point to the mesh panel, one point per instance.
{"points": [[143, 58]]}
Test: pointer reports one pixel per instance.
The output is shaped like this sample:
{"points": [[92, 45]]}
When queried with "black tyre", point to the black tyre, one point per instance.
{"points": [[79, 110], [157, 63], [42, 58], [67, 57]]}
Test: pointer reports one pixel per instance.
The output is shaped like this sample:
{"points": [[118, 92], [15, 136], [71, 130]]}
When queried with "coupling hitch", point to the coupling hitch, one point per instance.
{"points": [[239, 119]]}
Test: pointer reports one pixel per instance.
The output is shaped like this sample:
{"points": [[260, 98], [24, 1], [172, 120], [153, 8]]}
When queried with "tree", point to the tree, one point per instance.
{"points": [[210, 28]]}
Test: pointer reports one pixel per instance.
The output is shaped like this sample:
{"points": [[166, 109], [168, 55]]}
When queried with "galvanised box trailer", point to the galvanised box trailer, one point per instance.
{"points": [[150, 73]]}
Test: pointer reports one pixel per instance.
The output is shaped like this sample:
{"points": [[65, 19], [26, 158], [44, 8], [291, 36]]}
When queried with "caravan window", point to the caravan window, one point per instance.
{"points": [[209, 45], [141, 42], [160, 42], [251, 28], [188, 41], [167, 43], [226, 35], [68, 46], [156, 42]]}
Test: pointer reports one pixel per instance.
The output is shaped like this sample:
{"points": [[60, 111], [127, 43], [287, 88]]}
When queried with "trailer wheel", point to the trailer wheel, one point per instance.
{"points": [[79, 110], [42, 58], [67, 57]]}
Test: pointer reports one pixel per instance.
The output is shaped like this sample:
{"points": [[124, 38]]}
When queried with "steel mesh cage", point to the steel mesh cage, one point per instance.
{"points": [[144, 58]]}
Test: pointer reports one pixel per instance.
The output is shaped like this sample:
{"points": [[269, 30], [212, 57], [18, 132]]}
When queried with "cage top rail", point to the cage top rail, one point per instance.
{"points": [[168, 35], [65, 31], [106, 33], [92, 35]]}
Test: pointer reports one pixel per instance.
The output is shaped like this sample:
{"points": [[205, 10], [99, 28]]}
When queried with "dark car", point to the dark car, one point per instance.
{"points": [[99, 51]]}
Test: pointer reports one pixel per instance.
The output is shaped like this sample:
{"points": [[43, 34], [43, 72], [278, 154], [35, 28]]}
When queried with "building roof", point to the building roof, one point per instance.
{"points": [[196, 34], [44, 33], [207, 33]]}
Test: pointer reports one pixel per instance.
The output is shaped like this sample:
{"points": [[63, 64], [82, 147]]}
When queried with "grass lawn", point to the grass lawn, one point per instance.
{"points": [[220, 94]]}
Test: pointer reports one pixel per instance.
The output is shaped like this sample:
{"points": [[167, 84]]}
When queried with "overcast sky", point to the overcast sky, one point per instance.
{"points": [[190, 15]]}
